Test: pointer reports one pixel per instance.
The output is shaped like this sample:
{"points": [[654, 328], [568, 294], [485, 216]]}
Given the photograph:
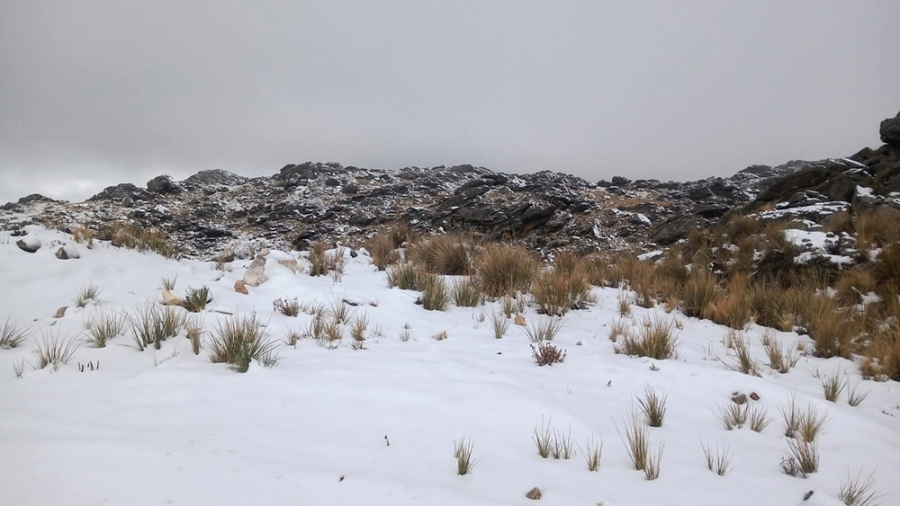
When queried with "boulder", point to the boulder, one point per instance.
{"points": [[256, 274], [890, 131], [29, 244], [163, 184]]}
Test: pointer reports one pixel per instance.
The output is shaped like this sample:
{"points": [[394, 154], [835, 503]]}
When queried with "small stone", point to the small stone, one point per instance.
{"points": [[61, 312], [61, 254], [241, 287], [754, 396], [739, 398], [534, 494], [520, 320]]}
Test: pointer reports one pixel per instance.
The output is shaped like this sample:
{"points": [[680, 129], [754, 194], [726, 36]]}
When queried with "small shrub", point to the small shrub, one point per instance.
{"points": [[86, 295], [196, 299], [544, 330], [500, 324], [54, 351], [718, 461], [322, 262], [637, 442], [463, 453], [404, 276], [512, 305], [656, 339], [440, 336], [358, 328], [83, 235], [105, 327], [618, 329], [241, 340], [466, 293], [653, 406], [833, 330], [853, 284], [735, 308], [624, 305], [504, 270], [833, 385], [12, 335], [802, 425], [435, 296], [293, 336], [881, 359], [858, 491], [546, 353], [287, 307], [875, 229]]}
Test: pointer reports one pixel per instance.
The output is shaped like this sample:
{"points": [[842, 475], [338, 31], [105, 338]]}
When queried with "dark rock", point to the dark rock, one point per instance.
{"points": [[620, 181], [36, 197], [890, 131], [28, 246], [673, 229], [215, 177], [163, 184]]}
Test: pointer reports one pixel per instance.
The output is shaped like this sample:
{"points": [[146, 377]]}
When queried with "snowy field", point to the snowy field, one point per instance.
{"points": [[167, 427]]}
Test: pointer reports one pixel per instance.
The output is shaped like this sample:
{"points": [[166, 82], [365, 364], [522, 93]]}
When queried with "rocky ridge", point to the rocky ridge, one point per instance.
{"points": [[215, 212]]}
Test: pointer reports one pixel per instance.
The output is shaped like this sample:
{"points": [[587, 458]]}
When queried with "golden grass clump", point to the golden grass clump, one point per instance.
{"points": [[383, 251], [698, 293], [134, 236], [875, 229], [558, 291], [450, 255], [504, 270]]}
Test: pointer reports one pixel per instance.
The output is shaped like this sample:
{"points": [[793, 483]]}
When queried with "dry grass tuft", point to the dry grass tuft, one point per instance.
{"points": [[653, 406], [732, 416], [383, 250], [505, 270], [450, 255], [593, 453], [467, 293], [53, 351], [134, 236], [500, 324], [804, 455], [881, 359], [781, 359], [698, 293], [404, 276], [858, 491], [718, 461], [833, 385], [435, 295], [104, 327], [743, 361], [560, 290], [463, 453], [656, 339], [544, 330], [240, 341], [12, 335], [875, 229], [287, 307], [322, 262], [637, 442]]}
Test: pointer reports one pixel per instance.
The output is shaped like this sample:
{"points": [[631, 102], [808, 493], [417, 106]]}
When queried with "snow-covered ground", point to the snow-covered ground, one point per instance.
{"points": [[170, 427]]}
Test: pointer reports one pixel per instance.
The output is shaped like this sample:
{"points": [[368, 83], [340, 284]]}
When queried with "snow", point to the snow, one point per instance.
{"points": [[168, 427]]}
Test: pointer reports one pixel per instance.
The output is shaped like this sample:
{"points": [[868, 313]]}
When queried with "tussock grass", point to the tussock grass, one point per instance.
{"points": [[856, 397], [435, 295], [512, 304], [505, 270], [358, 327], [169, 283], [463, 449], [624, 305], [781, 359], [405, 276], [467, 293], [101, 328], [287, 307], [833, 385], [743, 361], [546, 353], [732, 416], [134, 236], [653, 406], [340, 311], [322, 262], [151, 324], [758, 419], [654, 464], [19, 367], [735, 308], [562, 447], [450, 255], [656, 339], [86, 295], [881, 359], [833, 329], [383, 250], [718, 460], [593, 453], [241, 340], [558, 291], [545, 329], [853, 284], [874, 230], [543, 439], [637, 442], [858, 490], [83, 235], [194, 334], [799, 424], [54, 351], [196, 299], [698, 293], [618, 329], [500, 324], [804, 455], [12, 334]]}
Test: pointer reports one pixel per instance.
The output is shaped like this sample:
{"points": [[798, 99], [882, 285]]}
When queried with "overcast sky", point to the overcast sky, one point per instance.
{"points": [[94, 93]]}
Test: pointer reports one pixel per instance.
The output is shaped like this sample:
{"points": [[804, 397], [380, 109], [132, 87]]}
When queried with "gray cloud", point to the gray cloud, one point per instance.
{"points": [[94, 93]]}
